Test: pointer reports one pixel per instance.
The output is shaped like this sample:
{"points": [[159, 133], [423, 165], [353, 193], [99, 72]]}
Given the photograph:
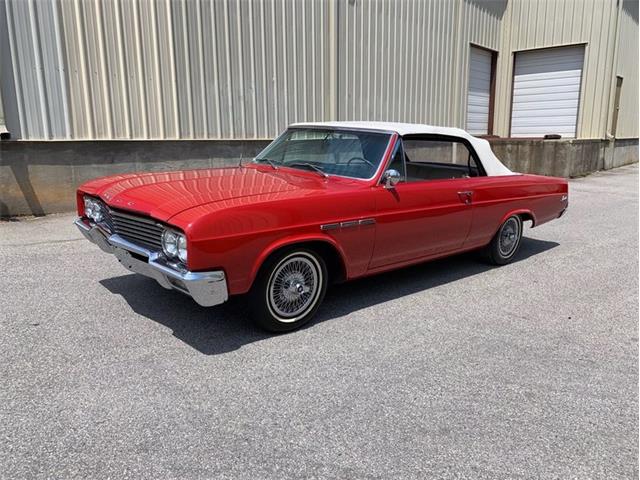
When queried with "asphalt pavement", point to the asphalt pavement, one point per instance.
{"points": [[451, 369]]}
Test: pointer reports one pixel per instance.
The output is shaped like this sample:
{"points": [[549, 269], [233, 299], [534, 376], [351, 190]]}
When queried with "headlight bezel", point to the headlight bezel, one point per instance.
{"points": [[93, 209], [182, 248], [174, 245], [88, 206]]}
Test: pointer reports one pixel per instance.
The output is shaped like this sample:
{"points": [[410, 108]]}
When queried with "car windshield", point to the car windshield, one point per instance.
{"points": [[347, 153]]}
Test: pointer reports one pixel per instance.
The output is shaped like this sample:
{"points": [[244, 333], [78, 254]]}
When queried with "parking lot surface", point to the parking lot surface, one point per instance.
{"points": [[452, 369]]}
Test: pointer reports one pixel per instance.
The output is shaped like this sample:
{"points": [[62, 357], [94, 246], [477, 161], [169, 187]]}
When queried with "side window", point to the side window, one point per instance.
{"points": [[435, 159]]}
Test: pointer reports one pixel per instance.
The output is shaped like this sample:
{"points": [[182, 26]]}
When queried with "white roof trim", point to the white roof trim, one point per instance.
{"points": [[490, 162]]}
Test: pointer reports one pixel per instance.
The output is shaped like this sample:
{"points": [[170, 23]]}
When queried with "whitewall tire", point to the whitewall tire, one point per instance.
{"points": [[288, 290]]}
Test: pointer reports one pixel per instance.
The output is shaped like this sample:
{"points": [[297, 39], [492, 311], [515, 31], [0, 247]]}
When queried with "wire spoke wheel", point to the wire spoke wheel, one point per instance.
{"points": [[509, 237], [294, 287]]}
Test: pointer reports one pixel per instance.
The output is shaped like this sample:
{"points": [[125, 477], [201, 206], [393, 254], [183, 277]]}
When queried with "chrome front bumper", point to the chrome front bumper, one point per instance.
{"points": [[206, 288]]}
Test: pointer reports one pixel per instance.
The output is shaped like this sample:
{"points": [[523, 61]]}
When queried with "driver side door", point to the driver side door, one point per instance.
{"points": [[429, 211]]}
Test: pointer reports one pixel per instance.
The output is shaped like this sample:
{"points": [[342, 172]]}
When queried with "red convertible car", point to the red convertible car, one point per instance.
{"points": [[324, 202]]}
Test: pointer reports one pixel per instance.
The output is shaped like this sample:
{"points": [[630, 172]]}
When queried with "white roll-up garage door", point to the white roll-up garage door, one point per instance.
{"points": [[546, 92], [479, 94]]}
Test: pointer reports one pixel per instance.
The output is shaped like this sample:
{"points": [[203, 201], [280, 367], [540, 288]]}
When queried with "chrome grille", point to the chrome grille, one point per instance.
{"points": [[139, 230]]}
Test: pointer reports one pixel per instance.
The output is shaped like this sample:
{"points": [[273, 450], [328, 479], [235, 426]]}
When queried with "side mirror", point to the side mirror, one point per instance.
{"points": [[390, 178]]}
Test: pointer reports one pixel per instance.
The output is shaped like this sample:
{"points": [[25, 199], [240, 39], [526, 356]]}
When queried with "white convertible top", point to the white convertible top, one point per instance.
{"points": [[490, 162]]}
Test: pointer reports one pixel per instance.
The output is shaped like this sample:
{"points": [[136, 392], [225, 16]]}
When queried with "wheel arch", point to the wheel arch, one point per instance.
{"points": [[330, 251], [523, 213]]}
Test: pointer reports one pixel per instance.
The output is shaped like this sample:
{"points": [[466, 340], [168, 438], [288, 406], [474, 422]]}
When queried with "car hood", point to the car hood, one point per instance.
{"points": [[163, 195]]}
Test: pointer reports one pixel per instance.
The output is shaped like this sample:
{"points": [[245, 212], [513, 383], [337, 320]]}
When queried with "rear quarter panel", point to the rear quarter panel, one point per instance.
{"points": [[496, 198]]}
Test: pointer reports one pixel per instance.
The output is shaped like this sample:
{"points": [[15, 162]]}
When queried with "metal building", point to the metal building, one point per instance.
{"points": [[240, 69]]}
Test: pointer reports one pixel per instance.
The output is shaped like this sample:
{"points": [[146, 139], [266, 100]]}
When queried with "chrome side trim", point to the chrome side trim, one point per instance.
{"points": [[329, 226], [350, 223], [206, 288], [347, 224], [367, 221]]}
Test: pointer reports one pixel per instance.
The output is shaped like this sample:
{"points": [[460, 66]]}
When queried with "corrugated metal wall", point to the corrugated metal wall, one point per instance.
{"points": [[165, 69], [190, 69], [406, 60], [627, 68], [391, 64], [548, 23]]}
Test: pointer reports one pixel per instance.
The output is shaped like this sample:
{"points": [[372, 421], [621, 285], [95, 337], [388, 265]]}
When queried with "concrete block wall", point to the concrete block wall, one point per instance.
{"points": [[559, 158], [625, 152], [37, 178]]}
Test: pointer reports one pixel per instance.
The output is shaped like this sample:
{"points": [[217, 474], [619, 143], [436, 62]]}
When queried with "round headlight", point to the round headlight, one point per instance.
{"points": [[98, 216], [93, 209], [89, 206], [170, 243], [182, 248]]}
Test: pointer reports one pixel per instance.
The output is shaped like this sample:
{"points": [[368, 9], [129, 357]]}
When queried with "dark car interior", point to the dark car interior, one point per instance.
{"points": [[438, 159], [417, 171]]}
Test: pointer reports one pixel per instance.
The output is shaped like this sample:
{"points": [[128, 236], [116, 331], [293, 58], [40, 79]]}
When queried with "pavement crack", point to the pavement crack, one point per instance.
{"points": [[50, 242]]}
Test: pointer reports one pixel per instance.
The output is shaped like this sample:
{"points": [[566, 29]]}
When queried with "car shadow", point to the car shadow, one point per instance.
{"points": [[225, 328]]}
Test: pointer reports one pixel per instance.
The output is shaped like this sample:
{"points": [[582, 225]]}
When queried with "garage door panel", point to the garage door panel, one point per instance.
{"points": [[561, 112], [537, 74], [540, 132], [479, 76], [481, 125], [571, 81], [479, 98], [551, 67], [571, 91], [477, 109], [547, 100], [561, 121], [541, 129], [479, 91], [561, 106], [546, 92], [553, 54], [532, 131]]}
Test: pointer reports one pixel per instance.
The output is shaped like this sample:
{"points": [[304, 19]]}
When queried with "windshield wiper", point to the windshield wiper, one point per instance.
{"points": [[270, 162], [310, 165]]}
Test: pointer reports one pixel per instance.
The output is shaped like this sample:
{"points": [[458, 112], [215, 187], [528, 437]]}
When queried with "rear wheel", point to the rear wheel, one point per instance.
{"points": [[288, 290], [506, 241]]}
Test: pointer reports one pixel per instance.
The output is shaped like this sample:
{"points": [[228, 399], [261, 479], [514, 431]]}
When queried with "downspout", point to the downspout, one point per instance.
{"points": [[610, 148], [458, 119], [333, 60]]}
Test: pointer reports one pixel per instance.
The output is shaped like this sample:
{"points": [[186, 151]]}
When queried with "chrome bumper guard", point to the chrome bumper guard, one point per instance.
{"points": [[206, 288]]}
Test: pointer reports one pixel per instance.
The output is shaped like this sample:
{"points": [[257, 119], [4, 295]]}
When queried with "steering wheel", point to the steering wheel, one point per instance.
{"points": [[360, 159]]}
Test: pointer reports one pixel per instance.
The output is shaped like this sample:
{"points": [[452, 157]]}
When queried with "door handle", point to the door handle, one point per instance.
{"points": [[466, 197]]}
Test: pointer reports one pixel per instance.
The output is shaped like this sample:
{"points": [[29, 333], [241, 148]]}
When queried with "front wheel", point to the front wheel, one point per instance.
{"points": [[506, 241], [288, 290]]}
